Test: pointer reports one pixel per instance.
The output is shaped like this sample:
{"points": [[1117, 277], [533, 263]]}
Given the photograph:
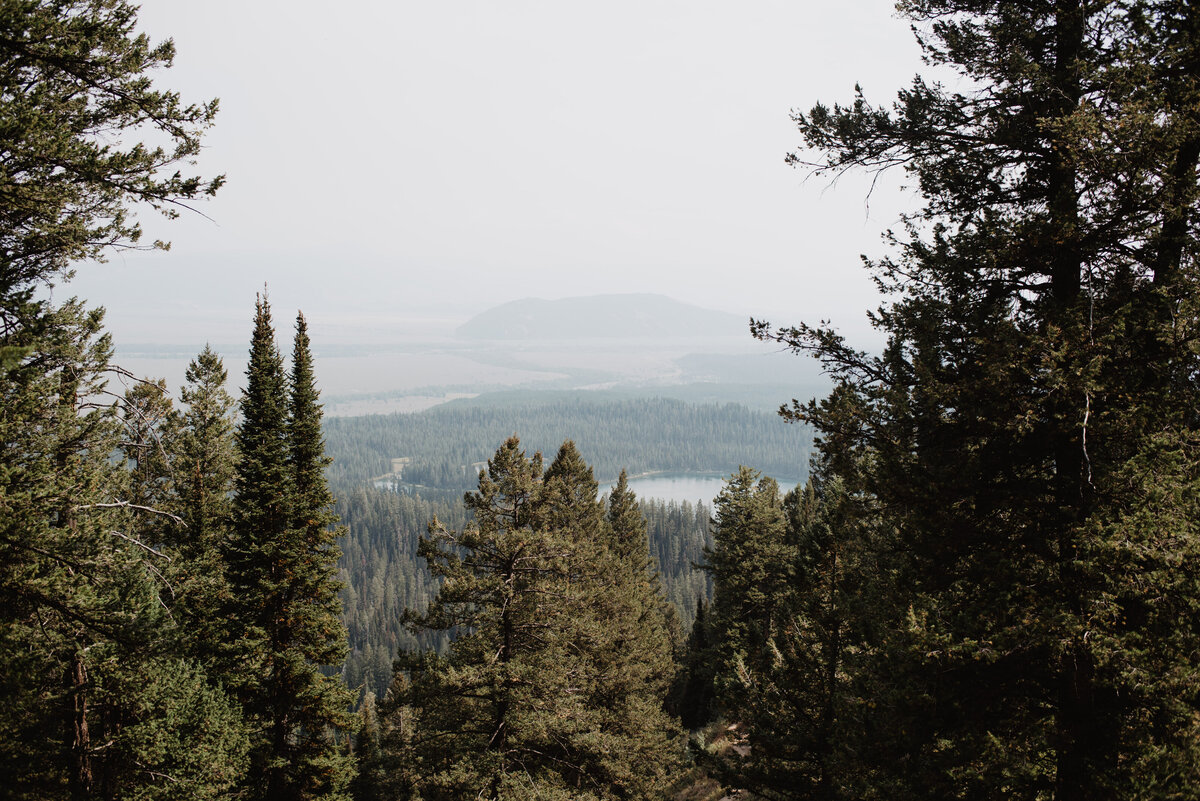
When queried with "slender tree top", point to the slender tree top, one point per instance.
{"points": [[261, 435], [305, 441]]}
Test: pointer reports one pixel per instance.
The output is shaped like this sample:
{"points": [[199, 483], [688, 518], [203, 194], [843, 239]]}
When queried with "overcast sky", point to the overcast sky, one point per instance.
{"points": [[390, 161]]}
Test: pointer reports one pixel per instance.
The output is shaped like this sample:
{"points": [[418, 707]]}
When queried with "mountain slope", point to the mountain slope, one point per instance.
{"points": [[601, 317]]}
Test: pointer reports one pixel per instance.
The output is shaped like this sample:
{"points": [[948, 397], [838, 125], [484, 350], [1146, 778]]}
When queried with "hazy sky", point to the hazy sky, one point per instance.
{"points": [[390, 161]]}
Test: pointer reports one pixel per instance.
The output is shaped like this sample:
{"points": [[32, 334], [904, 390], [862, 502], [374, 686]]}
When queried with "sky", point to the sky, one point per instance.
{"points": [[395, 165]]}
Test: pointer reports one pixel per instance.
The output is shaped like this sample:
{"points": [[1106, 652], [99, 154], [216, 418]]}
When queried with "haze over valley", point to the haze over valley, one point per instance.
{"points": [[632, 344]]}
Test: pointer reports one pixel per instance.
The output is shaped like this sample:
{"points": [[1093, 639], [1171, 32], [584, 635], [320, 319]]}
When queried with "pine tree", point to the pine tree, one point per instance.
{"points": [[806, 706], [1038, 359], [99, 704], [96, 701], [279, 563], [550, 688], [693, 695], [754, 562], [147, 413], [201, 451], [635, 657]]}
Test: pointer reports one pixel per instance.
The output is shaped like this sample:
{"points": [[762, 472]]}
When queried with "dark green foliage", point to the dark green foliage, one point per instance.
{"points": [[804, 697], [679, 534], [283, 603], [319, 702], [98, 698], [147, 415], [203, 454], [552, 686], [754, 559], [372, 781], [693, 696], [78, 102], [448, 441], [383, 577], [633, 634], [90, 658], [1039, 360]]}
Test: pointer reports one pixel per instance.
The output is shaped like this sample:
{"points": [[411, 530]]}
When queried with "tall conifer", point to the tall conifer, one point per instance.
{"points": [[203, 454], [320, 703], [98, 701], [1041, 327], [280, 562]]}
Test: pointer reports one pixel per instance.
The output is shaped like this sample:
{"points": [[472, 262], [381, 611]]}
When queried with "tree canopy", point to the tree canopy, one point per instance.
{"points": [[1041, 327]]}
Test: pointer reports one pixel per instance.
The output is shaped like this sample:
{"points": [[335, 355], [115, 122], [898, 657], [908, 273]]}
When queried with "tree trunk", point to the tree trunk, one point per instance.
{"points": [[80, 780]]}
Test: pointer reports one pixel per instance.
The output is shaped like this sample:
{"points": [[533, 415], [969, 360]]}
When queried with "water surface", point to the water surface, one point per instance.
{"points": [[690, 487]]}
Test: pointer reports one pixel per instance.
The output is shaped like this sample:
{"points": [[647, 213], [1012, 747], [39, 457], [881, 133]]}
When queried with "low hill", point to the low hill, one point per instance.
{"points": [[601, 317]]}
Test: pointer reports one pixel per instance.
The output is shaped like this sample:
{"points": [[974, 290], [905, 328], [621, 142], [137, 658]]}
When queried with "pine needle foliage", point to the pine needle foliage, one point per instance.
{"points": [[1041, 329], [554, 682], [280, 565]]}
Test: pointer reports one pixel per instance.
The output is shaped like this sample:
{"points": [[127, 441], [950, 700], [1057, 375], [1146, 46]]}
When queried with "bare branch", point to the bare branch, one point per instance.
{"points": [[128, 505], [140, 544]]}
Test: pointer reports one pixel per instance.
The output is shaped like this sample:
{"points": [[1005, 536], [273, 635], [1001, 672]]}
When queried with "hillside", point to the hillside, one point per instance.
{"points": [[600, 317]]}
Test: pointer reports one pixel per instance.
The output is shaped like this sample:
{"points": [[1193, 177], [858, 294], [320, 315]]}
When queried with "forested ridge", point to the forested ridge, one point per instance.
{"points": [[987, 587], [636, 435]]}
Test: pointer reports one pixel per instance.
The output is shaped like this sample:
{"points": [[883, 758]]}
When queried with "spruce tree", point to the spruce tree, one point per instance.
{"points": [[693, 694], [202, 458], [1038, 360], [320, 703], [806, 707], [96, 702], [635, 657], [203, 454], [282, 597], [752, 562]]}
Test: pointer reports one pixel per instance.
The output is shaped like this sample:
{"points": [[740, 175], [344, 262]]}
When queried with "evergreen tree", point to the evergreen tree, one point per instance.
{"points": [[806, 707], [319, 702], [1037, 362], [282, 598], [203, 454], [78, 104], [147, 415], [98, 702], [201, 451], [549, 689], [693, 696], [752, 564]]}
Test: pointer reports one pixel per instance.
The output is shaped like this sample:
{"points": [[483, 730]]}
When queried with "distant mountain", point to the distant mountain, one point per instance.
{"points": [[601, 316]]}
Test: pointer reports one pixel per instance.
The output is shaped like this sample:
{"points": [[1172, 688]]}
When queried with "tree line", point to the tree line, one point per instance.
{"points": [[446, 443]]}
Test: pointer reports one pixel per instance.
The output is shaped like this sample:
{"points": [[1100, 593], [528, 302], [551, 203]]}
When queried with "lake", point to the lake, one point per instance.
{"points": [[690, 487]]}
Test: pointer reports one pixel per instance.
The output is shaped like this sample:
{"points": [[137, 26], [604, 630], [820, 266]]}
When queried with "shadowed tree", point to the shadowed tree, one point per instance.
{"points": [[280, 563], [1039, 356]]}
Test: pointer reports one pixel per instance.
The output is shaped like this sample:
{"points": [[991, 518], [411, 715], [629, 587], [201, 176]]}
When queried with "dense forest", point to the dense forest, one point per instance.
{"points": [[446, 444], [986, 588], [383, 574]]}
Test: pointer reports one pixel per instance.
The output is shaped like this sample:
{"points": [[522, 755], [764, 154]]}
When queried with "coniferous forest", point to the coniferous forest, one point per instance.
{"points": [[988, 586]]}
